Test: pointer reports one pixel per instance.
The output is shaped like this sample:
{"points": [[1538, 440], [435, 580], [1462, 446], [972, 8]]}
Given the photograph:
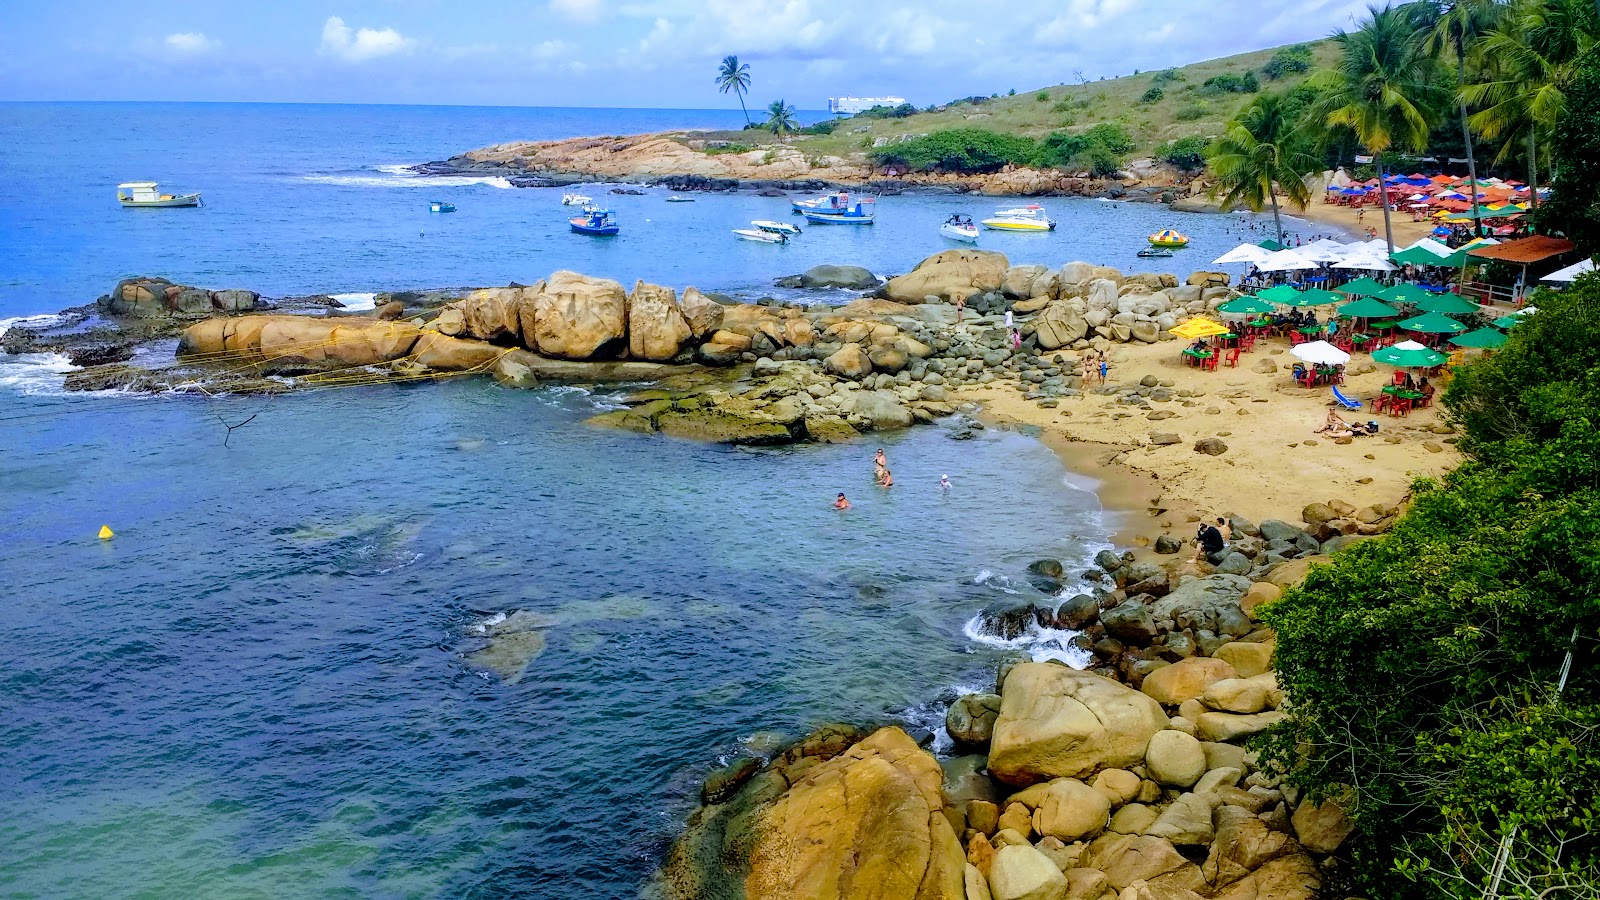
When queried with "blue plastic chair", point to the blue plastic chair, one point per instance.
{"points": [[1344, 401]]}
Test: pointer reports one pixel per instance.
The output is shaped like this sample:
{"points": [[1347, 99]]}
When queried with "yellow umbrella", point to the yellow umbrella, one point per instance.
{"points": [[1199, 328]]}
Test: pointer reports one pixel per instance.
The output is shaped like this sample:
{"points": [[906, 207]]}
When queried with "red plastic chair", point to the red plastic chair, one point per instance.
{"points": [[1210, 362], [1379, 404], [1296, 338], [1233, 358], [1399, 406], [1399, 379]]}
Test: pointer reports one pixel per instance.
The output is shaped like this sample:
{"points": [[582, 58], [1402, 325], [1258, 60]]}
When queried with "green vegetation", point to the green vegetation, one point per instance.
{"points": [[1288, 61], [1153, 95], [734, 76], [780, 119], [730, 147], [970, 151], [1262, 150], [888, 112], [1229, 83], [1424, 663], [1188, 154], [1574, 207]]}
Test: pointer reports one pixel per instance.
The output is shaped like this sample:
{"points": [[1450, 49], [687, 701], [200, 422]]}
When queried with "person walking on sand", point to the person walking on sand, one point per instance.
{"points": [[1087, 376], [1104, 368], [841, 503]]}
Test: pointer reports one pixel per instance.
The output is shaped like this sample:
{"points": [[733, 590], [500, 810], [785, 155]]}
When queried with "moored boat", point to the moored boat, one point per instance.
{"points": [[776, 227], [761, 236], [1025, 218], [960, 228], [1154, 253], [596, 222], [440, 206], [677, 199], [571, 198], [836, 201], [1169, 239], [854, 215], [147, 194]]}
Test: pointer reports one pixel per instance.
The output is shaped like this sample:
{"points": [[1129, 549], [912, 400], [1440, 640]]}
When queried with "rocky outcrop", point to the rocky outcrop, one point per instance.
{"points": [[157, 298], [578, 317], [950, 275], [1057, 722], [289, 344], [657, 328], [829, 819]]}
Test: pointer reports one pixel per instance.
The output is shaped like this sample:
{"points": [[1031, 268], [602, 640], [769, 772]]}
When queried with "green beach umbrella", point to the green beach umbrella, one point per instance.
{"points": [[1362, 285], [1244, 306], [1450, 304], [1270, 244], [1409, 355], [1433, 323], [1406, 293], [1507, 322], [1418, 256], [1368, 308], [1483, 212], [1483, 338], [1315, 297], [1283, 293]]}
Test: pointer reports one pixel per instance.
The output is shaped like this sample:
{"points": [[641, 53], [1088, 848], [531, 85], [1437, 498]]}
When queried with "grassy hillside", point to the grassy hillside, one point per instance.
{"points": [[1186, 106]]}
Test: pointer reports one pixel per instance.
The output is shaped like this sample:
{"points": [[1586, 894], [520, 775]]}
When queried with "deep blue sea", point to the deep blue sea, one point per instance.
{"points": [[264, 685]]}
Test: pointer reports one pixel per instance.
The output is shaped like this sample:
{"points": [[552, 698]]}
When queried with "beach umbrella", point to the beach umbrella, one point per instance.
{"points": [[1322, 254], [1361, 286], [1319, 353], [1368, 308], [1244, 253], [1283, 293], [1481, 339], [1570, 273], [1447, 304], [1418, 256], [1245, 306], [1365, 260], [1507, 321], [1270, 245], [1284, 261], [1407, 293], [1409, 355], [1433, 323], [1314, 297], [1199, 328]]}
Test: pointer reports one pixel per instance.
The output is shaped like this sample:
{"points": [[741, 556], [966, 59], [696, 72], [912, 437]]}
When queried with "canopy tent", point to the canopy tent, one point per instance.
{"points": [[1447, 304], [1326, 244], [1245, 306], [1284, 261], [1360, 287], [1481, 339], [1483, 212], [1319, 353], [1524, 251], [1570, 273], [1409, 355], [1244, 253], [1368, 308], [1283, 293], [1199, 328], [1406, 293], [1433, 323]]}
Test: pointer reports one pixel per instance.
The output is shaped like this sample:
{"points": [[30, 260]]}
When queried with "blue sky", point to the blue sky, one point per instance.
{"points": [[648, 53]]}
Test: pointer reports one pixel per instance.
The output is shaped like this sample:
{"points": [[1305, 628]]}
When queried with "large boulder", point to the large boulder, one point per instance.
{"points": [[1020, 872], [578, 317], [286, 344], [882, 410], [970, 720], [449, 354], [656, 326], [849, 361], [852, 277], [1175, 759], [1071, 810], [1126, 859], [1321, 828], [1292, 877], [1060, 326], [235, 300], [496, 314], [1186, 679], [864, 822], [1242, 844], [1057, 722], [1017, 283], [950, 275], [703, 314]]}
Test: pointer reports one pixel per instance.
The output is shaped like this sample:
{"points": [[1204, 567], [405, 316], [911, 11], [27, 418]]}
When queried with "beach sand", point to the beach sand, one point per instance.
{"points": [[1406, 232], [1274, 465]]}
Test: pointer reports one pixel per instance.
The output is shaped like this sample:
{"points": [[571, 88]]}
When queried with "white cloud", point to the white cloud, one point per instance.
{"points": [[548, 51], [190, 43], [585, 12], [353, 45]]}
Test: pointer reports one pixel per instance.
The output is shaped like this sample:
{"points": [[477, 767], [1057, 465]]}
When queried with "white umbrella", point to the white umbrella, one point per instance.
{"points": [[1283, 261], [1432, 246], [1410, 345], [1325, 244], [1571, 272], [1366, 263], [1244, 253], [1320, 353], [1322, 254]]}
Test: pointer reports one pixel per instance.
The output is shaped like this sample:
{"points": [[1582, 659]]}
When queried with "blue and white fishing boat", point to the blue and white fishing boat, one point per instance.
{"points": [[835, 202], [439, 206], [596, 222], [859, 214]]}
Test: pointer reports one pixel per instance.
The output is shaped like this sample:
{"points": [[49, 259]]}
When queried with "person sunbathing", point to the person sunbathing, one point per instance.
{"points": [[1333, 424]]}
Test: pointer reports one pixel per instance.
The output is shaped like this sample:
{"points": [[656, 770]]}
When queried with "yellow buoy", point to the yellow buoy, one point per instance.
{"points": [[106, 533]]}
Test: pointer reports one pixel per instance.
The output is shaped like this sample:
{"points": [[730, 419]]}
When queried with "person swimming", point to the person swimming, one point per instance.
{"points": [[885, 478], [841, 503], [944, 482]]}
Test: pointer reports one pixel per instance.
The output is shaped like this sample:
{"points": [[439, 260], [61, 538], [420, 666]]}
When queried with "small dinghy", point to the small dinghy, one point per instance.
{"points": [[960, 228], [440, 206], [571, 198], [760, 236], [1155, 253], [677, 199], [776, 227]]}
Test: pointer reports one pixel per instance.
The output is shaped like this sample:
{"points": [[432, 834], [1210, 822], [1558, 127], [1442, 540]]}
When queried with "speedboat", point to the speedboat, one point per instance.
{"points": [[776, 227], [574, 199], [1023, 218], [1169, 239], [1154, 253], [677, 199], [597, 222], [440, 206], [960, 228], [141, 194], [854, 215], [762, 235]]}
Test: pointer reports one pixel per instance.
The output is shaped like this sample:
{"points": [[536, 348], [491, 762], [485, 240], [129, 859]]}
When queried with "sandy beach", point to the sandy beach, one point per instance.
{"points": [[1406, 232], [1274, 465]]}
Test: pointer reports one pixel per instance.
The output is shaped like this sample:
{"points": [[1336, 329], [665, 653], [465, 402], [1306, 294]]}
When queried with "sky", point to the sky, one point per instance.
{"points": [[627, 53]]}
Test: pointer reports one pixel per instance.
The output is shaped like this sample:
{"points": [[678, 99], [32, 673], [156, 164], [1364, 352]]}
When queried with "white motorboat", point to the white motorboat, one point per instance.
{"points": [[146, 194], [1022, 218], [571, 198], [960, 228], [761, 236], [776, 227]]}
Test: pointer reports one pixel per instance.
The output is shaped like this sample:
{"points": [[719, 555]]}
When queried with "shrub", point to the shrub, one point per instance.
{"points": [[1153, 95], [826, 126], [888, 112], [963, 150], [1188, 154], [1166, 75], [1229, 83], [731, 147], [1288, 61], [1042, 97], [1111, 137], [1190, 112], [1100, 149]]}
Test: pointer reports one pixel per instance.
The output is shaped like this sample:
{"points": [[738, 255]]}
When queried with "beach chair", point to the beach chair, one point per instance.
{"points": [[1233, 358], [1344, 401]]}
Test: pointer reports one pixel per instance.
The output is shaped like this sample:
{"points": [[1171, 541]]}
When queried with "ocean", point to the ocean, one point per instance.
{"points": [[281, 677]]}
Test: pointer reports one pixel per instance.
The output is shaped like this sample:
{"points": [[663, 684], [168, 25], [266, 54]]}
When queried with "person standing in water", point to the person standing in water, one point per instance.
{"points": [[841, 503], [944, 482]]}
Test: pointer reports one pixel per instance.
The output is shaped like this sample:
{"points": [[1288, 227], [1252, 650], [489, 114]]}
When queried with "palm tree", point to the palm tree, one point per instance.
{"points": [[1384, 90], [780, 118], [1259, 149], [735, 76], [1453, 27], [1529, 62]]}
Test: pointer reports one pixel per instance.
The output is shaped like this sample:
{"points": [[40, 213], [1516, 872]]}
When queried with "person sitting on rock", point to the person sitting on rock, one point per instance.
{"points": [[1208, 542], [841, 503]]}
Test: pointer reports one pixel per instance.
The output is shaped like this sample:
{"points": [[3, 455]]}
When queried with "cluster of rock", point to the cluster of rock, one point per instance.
{"points": [[158, 298]]}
